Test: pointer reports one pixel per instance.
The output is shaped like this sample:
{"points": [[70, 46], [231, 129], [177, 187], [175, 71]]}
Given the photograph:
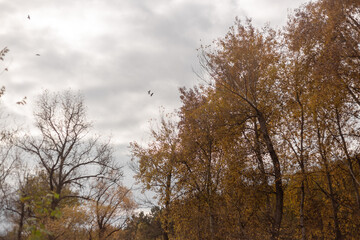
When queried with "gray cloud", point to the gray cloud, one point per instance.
{"points": [[115, 51]]}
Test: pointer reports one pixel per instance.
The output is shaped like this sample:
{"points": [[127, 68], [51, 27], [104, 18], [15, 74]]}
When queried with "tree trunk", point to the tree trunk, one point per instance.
{"points": [[303, 171], [278, 178], [167, 206], [21, 221], [302, 215], [334, 204], [261, 166], [348, 158]]}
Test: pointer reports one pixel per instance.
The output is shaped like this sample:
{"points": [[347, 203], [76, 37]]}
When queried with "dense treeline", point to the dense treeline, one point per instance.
{"points": [[267, 147]]}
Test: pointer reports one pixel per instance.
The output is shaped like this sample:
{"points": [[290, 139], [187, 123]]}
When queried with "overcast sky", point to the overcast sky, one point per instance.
{"points": [[114, 51]]}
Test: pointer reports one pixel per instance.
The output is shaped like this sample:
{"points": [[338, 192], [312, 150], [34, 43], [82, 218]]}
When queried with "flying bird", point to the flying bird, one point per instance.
{"points": [[22, 102], [151, 94], [37, 54], [6, 69], [29, 17]]}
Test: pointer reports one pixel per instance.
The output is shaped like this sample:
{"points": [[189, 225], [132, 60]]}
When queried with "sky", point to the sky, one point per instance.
{"points": [[113, 52]]}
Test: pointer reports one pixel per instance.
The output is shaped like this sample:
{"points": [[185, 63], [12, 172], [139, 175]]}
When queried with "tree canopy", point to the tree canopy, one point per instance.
{"points": [[267, 147]]}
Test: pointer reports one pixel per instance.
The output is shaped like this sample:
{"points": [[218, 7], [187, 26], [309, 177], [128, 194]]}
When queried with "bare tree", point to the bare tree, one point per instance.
{"points": [[6, 147], [110, 206], [64, 149]]}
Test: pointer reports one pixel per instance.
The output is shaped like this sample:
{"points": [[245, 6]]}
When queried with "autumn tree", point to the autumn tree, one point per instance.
{"points": [[326, 33], [270, 148], [324, 36], [28, 207], [244, 63], [157, 165], [204, 141]]}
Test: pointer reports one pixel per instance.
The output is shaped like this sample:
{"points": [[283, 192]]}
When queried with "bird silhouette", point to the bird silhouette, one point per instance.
{"points": [[6, 69], [22, 102], [29, 17], [37, 54], [151, 94]]}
